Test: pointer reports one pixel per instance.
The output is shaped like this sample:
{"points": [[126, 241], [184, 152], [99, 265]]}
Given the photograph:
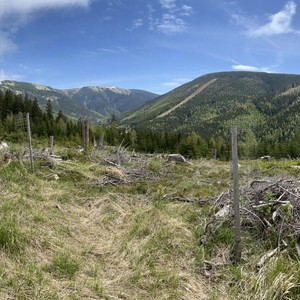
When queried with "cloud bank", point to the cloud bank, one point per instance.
{"points": [[28, 6], [6, 76], [14, 13]]}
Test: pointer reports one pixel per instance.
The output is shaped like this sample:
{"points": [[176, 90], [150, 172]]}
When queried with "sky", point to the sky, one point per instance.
{"points": [[154, 45]]}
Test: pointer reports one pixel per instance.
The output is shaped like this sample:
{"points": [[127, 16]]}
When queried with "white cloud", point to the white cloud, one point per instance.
{"points": [[115, 50], [175, 82], [136, 24], [122, 49], [172, 19], [6, 44], [105, 19], [170, 24], [280, 23], [250, 68], [6, 76], [168, 4], [107, 50], [21, 6], [187, 10]]}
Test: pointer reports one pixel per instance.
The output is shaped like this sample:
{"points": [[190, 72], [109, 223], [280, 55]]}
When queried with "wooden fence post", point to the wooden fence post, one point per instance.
{"points": [[85, 134], [101, 141], [237, 251], [29, 140], [214, 153], [51, 142]]}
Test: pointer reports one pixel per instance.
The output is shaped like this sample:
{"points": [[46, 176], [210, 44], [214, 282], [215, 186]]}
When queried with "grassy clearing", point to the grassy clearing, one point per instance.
{"points": [[72, 239]]}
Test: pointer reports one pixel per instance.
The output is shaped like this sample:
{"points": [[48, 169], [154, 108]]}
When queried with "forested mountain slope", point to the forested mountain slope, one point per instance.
{"points": [[267, 104], [94, 103]]}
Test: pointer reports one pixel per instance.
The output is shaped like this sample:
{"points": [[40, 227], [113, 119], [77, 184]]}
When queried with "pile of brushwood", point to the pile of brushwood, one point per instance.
{"points": [[270, 210]]}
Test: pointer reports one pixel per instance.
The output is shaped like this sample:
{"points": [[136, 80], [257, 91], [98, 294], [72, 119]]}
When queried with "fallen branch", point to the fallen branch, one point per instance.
{"points": [[111, 163], [266, 256], [298, 249]]}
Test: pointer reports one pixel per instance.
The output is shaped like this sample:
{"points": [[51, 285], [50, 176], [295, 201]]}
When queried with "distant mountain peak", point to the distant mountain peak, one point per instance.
{"points": [[113, 89]]}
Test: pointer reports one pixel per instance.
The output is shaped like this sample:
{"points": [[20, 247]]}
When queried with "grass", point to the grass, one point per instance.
{"points": [[70, 239], [64, 265]]}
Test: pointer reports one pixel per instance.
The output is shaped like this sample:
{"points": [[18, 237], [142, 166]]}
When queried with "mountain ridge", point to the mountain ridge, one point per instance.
{"points": [[93, 102]]}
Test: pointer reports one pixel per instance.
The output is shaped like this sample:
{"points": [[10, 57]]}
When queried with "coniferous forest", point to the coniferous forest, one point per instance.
{"points": [[44, 122]]}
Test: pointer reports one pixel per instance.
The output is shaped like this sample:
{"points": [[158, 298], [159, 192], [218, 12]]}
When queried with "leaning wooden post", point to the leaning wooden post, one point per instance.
{"points": [[236, 205], [29, 139]]}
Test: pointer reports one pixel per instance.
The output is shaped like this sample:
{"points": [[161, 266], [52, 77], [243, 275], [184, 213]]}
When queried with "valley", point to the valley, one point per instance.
{"points": [[122, 221]]}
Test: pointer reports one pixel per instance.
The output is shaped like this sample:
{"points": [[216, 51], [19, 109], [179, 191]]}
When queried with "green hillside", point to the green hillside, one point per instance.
{"points": [[268, 104]]}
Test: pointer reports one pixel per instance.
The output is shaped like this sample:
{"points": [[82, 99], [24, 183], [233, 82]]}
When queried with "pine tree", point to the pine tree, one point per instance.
{"points": [[49, 111]]}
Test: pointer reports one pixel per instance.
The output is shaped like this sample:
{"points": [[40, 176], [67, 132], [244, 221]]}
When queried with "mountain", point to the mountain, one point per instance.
{"points": [[95, 103], [267, 104], [107, 100]]}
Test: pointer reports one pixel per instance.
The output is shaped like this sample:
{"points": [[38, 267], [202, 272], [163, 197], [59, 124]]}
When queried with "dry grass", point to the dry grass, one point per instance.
{"points": [[75, 240], [83, 242]]}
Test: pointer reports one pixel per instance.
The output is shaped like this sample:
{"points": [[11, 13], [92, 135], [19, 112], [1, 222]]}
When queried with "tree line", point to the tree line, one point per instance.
{"points": [[44, 122]]}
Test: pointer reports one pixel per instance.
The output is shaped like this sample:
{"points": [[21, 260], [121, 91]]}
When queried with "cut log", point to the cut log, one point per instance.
{"points": [[176, 158]]}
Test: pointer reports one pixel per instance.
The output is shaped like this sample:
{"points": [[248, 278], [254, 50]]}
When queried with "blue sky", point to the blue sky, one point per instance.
{"points": [[154, 45]]}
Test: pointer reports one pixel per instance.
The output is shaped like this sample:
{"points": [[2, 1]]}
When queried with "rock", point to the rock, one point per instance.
{"points": [[176, 158]]}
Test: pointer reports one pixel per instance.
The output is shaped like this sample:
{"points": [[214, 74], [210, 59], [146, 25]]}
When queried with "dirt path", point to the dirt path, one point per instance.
{"points": [[198, 91]]}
